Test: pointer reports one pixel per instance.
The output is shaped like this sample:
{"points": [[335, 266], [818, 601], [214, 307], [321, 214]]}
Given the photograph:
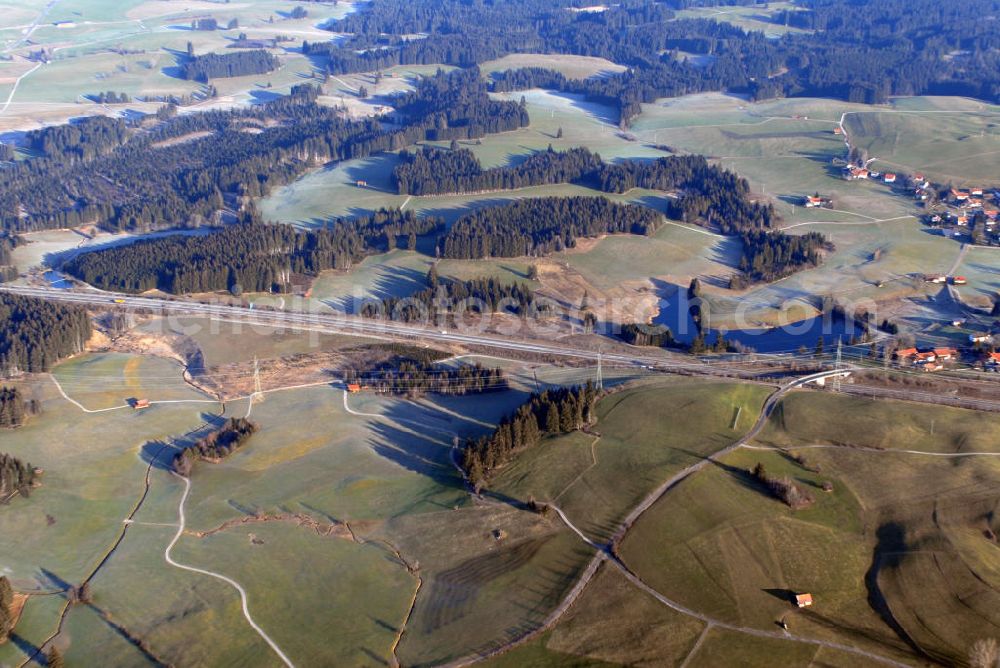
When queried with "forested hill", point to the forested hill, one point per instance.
{"points": [[249, 256], [538, 226], [135, 178], [35, 334], [705, 193], [860, 51]]}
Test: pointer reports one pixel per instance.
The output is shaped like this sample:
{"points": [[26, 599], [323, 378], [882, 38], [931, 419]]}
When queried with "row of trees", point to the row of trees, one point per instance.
{"points": [[216, 445], [414, 379], [35, 334], [233, 64], [443, 296], [556, 411], [248, 256], [16, 477], [707, 194], [538, 226]]}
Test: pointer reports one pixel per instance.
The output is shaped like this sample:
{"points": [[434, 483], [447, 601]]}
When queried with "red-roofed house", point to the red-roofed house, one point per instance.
{"points": [[353, 388], [945, 354], [803, 600], [905, 353], [889, 178]]}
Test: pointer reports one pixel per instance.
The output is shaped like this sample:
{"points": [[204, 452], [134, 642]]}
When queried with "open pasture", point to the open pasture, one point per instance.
{"points": [[137, 48], [888, 554], [749, 18]]}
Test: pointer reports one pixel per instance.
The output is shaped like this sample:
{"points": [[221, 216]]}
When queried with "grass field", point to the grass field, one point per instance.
{"points": [[383, 466], [573, 67], [755, 18], [135, 47], [895, 556], [597, 480]]}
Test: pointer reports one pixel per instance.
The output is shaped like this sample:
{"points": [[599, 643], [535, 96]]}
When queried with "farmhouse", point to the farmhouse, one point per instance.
{"points": [[980, 337], [889, 178], [935, 278], [814, 201], [139, 404], [945, 354], [905, 353], [353, 388], [803, 600], [959, 280], [993, 360], [925, 357], [959, 195], [361, 184]]}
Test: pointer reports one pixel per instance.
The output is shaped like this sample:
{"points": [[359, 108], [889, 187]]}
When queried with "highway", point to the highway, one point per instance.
{"points": [[338, 323]]}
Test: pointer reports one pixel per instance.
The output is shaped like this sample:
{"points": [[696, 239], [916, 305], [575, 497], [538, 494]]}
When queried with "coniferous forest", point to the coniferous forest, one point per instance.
{"points": [[414, 378], [707, 194], [862, 52], [235, 64], [555, 411], [444, 295], [123, 178], [542, 225], [249, 256], [769, 256], [35, 334]]}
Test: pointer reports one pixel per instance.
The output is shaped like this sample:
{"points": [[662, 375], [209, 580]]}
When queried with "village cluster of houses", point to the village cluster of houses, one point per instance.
{"points": [[962, 207], [936, 359]]}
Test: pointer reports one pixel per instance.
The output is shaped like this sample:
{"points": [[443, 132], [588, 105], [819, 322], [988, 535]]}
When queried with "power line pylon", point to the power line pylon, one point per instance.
{"points": [[836, 377], [600, 370]]}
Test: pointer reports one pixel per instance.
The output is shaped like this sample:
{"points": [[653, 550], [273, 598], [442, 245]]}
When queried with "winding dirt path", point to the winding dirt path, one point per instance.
{"points": [[181, 523]]}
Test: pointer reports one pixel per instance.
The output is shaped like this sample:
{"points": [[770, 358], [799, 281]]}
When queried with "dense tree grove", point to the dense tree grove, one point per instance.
{"points": [[443, 296], [16, 476], [863, 52], [7, 245], [13, 408], [234, 64], [707, 194], [216, 445], [769, 256], [6, 613], [784, 488], [84, 140], [35, 333], [249, 256], [456, 105], [148, 181], [648, 335], [414, 378], [556, 411], [537, 226]]}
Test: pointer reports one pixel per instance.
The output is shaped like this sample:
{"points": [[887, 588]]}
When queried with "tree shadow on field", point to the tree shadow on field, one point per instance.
{"points": [[891, 545], [414, 453], [160, 454]]}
